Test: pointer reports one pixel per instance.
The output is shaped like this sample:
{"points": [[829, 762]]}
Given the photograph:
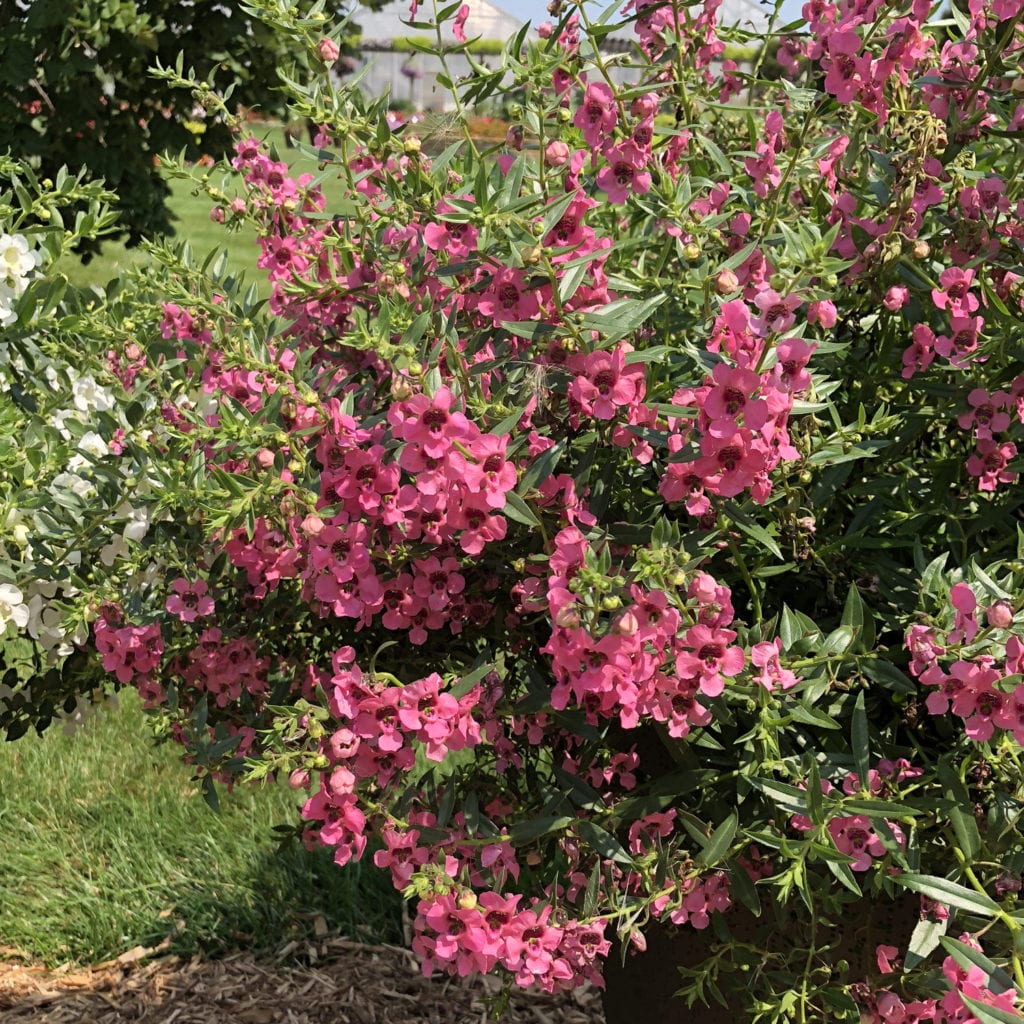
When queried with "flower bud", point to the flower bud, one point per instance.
{"points": [[466, 900], [556, 153], [412, 145], [328, 50], [999, 615], [922, 250], [691, 252], [312, 525], [545, 29], [726, 283], [626, 624]]}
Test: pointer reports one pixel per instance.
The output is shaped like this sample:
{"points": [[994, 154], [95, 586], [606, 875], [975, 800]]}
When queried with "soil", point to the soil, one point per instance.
{"points": [[338, 982]]}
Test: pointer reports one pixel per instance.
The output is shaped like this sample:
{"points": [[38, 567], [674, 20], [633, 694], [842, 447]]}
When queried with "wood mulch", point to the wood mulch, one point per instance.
{"points": [[340, 982]]}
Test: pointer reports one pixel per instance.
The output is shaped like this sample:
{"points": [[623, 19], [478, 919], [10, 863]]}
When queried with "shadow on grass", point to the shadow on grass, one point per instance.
{"points": [[292, 895]]}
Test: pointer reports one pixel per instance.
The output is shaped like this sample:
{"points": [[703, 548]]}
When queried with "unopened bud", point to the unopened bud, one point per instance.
{"points": [[726, 283], [557, 153], [1000, 615]]}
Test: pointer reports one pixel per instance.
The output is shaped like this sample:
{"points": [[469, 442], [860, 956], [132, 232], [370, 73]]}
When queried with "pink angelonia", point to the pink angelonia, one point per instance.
{"points": [[189, 601], [624, 173], [765, 656], [508, 297], [597, 114], [459, 24]]}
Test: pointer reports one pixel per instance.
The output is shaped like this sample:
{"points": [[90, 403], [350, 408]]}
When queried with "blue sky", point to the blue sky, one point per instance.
{"points": [[536, 10]]}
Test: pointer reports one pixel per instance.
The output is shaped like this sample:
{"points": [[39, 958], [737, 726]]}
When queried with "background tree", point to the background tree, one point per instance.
{"points": [[76, 88]]}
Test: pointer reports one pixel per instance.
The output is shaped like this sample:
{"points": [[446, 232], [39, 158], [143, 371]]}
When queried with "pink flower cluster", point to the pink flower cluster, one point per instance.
{"points": [[742, 414], [969, 686], [131, 653], [854, 834], [887, 1007], [463, 935], [645, 663]]}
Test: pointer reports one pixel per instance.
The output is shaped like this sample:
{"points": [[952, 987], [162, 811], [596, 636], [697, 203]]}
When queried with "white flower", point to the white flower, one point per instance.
{"points": [[92, 444], [91, 397], [17, 260], [115, 550], [138, 524], [12, 607], [74, 483], [7, 312]]}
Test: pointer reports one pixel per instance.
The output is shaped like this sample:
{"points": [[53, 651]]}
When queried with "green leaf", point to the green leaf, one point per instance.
{"points": [[923, 941], [541, 468], [623, 317], [812, 716], [858, 617], [753, 530], [517, 509], [742, 888], [860, 741], [960, 811], [837, 642], [888, 675], [879, 808], [786, 798], [604, 843], [468, 681], [951, 894], [719, 842], [526, 831], [593, 891], [991, 1014], [844, 875]]}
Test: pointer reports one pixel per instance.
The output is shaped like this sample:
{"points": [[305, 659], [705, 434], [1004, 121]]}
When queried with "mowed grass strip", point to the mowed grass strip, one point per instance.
{"points": [[107, 846], [193, 223]]}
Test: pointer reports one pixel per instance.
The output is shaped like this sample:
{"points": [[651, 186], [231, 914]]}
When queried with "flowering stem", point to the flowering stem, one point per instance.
{"points": [[755, 597]]}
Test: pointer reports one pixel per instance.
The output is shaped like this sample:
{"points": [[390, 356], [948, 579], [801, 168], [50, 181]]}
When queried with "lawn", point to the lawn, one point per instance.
{"points": [[191, 209], [108, 846]]}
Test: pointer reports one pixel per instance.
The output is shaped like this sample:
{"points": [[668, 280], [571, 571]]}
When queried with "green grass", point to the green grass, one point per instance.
{"points": [[193, 224], [106, 845]]}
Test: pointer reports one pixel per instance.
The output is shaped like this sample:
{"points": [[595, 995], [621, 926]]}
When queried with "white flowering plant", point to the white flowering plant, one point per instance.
{"points": [[63, 492]]}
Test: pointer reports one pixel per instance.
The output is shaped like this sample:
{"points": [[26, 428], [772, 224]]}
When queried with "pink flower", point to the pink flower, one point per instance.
{"points": [[855, 837], [459, 25], [846, 70], [896, 297], [765, 656], [986, 415], [962, 598], [557, 153], [189, 600], [954, 293], [885, 955], [328, 50], [990, 464], [508, 297], [823, 312], [777, 311], [597, 114], [624, 173]]}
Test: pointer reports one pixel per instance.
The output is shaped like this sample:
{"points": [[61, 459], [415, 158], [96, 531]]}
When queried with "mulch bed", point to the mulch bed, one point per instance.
{"points": [[340, 982]]}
